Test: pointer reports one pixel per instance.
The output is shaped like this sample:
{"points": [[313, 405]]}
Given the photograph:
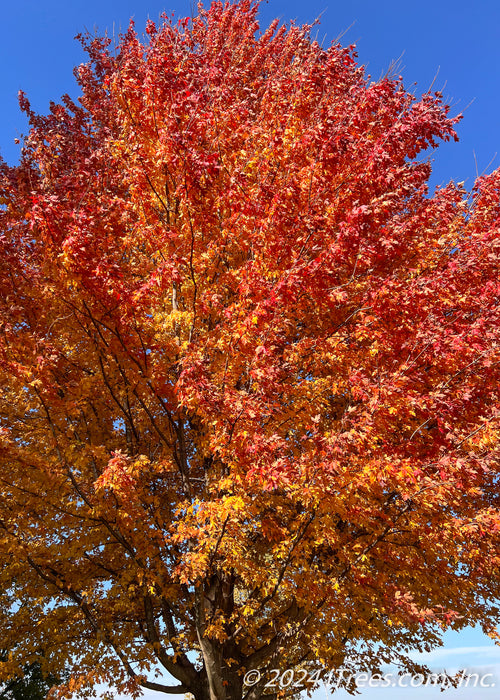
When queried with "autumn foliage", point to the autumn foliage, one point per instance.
{"points": [[249, 368]]}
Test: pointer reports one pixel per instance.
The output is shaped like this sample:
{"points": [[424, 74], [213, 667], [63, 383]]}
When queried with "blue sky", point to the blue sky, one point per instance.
{"points": [[459, 41]]}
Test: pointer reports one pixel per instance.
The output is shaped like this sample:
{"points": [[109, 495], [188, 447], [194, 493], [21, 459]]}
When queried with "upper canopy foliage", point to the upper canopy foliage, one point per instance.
{"points": [[249, 368]]}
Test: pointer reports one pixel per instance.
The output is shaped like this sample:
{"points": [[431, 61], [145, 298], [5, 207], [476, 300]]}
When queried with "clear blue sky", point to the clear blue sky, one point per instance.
{"points": [[459, 39]]}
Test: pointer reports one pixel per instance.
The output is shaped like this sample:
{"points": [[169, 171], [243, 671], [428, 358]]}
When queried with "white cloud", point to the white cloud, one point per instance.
{"points": [[486, 652]]}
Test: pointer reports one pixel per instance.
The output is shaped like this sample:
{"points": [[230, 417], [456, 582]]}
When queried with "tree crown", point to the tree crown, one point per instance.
{"points": [[249, 366]]}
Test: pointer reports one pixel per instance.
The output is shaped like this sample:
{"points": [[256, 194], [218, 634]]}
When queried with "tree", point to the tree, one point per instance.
{"points": [[33, 685], [249, 369]]}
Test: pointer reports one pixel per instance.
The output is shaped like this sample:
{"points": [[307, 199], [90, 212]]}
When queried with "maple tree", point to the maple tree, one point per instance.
{"points": [[249, 369]]}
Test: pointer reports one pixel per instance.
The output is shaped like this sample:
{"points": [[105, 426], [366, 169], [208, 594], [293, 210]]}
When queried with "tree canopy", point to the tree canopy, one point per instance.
{"points": [[249, 396]]}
